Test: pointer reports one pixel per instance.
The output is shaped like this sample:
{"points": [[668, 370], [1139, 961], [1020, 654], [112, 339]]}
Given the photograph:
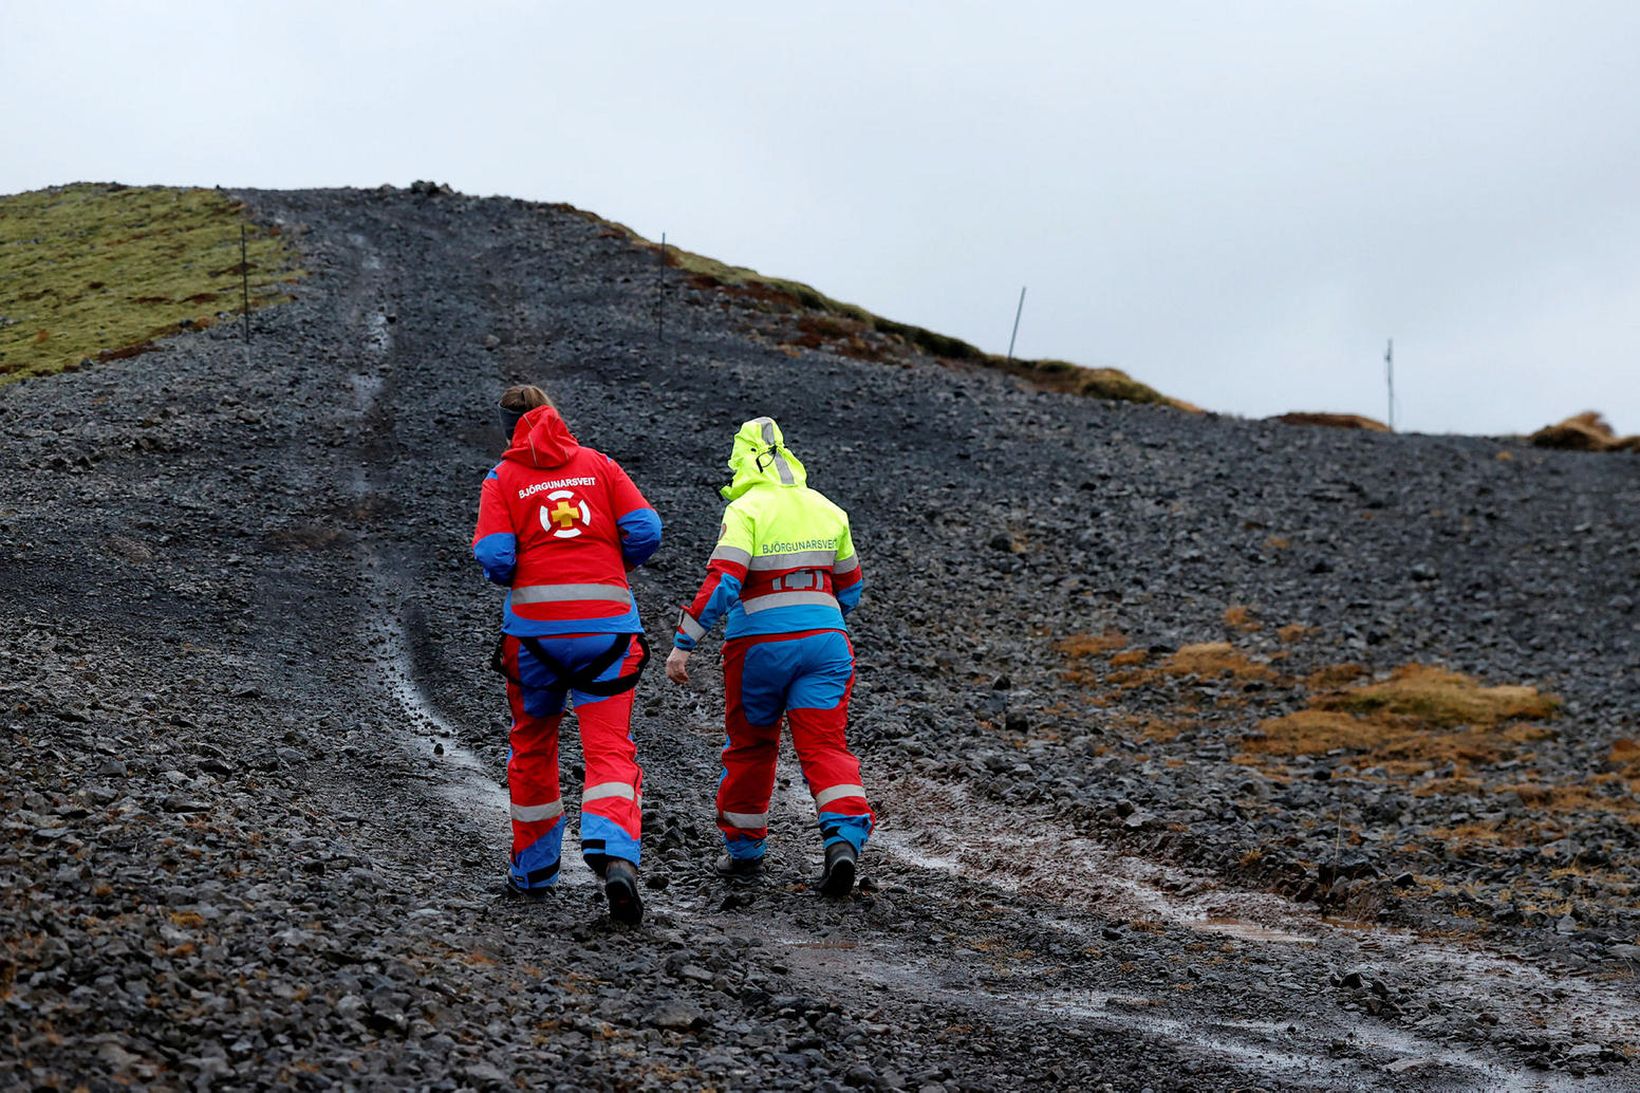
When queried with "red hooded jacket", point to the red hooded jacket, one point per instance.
{"points": [[560, 525]]}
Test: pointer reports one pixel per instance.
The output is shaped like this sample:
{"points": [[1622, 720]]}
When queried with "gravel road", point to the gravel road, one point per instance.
{"points": [[254, 824]]}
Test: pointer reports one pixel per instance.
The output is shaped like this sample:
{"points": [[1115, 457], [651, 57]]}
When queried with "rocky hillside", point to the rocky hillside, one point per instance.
{"points": [[1209, 753]]}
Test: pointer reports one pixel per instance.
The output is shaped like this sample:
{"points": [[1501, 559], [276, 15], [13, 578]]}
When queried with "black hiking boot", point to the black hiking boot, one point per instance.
{"points": [[838, 879], [512, 888], [730, 867], [621, 889]]}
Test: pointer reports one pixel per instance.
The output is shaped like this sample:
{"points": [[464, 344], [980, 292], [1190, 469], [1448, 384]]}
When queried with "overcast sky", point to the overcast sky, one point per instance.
{"points": [[1236, 202]]}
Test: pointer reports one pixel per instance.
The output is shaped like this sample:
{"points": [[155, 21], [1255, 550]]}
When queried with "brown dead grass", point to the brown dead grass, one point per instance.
{"points": [[1294, 631], [1418, 717], [1240, 617], [1082, 646], [1334, 676], [1333, 421], [1625, 757], [1527, 734], [1159, 730], [1487, 833], [1081, 649], [1585, 432], [1404, 747], [1216, 660], [1315, 732], [1439, 698], [1450, 787]]}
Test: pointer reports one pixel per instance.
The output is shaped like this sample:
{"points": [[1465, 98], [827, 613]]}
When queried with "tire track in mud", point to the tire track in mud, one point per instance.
{"points": [[1075, 887], [420, 733], [1070, 887]]}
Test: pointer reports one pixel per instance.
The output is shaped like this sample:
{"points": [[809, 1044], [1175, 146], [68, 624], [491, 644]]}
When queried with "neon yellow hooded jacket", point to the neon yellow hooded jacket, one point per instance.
{"points": [[785, 560]]}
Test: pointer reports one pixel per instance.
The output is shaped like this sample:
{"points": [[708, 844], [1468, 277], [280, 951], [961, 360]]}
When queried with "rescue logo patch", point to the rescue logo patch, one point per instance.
{"points": [[564, 515]]}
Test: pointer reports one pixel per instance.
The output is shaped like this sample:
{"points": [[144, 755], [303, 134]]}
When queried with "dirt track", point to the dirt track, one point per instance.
{"points": [[254, 826]]}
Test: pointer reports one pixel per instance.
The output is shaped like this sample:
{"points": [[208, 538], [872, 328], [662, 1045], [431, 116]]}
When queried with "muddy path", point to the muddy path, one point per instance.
{"points": [[288, 856]]}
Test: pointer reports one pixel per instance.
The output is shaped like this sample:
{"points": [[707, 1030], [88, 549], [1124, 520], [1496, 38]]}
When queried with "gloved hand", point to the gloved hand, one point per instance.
{"points": [[677, 666]]}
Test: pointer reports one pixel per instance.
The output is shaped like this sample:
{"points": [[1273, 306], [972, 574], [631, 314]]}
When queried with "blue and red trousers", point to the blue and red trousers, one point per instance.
{"points": [[612, 793], [805, 678]]}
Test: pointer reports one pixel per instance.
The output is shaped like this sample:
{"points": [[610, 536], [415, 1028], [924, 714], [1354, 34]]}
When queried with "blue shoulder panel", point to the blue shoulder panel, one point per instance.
{"points": [[640, 535], [497, 553]]}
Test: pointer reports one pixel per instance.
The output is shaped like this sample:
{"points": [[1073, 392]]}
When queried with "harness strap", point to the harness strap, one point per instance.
{"points": [[586, 680]]}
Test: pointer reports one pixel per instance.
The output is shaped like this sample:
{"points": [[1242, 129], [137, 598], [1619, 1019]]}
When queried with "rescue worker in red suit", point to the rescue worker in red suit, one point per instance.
{"points": [[784, 574], [560, 526]]}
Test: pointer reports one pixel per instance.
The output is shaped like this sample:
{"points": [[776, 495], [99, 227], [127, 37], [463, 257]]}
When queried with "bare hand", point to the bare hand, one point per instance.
{"points": [[677, 666]]}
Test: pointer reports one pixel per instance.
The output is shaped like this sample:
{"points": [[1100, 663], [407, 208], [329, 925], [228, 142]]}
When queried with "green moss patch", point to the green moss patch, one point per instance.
{"points": [[97, 272]]}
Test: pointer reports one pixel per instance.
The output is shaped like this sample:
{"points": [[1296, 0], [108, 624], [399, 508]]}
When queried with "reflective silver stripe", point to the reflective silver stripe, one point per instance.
{"points": [[751, 820], [694, 630], [836, 793], [787, 599], [802, 559], [551, 593], [731, 554], [609, 789], [780, 463], [847, 565], [530, 814]]}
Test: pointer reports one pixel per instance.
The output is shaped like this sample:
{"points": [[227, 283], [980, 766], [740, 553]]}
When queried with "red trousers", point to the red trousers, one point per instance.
{"points": [[807, 677], [612, 796]]}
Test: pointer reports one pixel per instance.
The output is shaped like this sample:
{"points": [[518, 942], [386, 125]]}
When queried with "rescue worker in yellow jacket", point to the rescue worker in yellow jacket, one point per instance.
{"points": [[785, 574]]}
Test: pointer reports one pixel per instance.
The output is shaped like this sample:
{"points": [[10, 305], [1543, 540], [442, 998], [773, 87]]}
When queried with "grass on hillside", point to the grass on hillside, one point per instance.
{"points": [[98, 271], [1404, 727], [1333, 421], [1426, 729], [1420, 712], [1585, 432], [848, 321]]}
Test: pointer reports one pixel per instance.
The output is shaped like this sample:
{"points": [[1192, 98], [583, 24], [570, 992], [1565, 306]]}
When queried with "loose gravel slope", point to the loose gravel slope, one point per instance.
{"points": [[254, 825]]}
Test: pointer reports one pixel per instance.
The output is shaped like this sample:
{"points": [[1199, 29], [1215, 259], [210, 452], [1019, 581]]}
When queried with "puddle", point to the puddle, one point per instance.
{"points": [[464, 778], [378, 336], [1248, 931], [1245, 1045], [371, 261], [366, 389], [1078, 872]]}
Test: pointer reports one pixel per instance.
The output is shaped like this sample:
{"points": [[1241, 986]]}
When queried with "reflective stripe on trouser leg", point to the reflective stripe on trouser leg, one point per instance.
{"points": [[833, 774], [611, 805], [750, 753], [532, 784]]}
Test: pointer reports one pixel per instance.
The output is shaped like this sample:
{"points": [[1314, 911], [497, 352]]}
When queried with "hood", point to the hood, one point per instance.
{"points": [[760, 455], [541, 439]]}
